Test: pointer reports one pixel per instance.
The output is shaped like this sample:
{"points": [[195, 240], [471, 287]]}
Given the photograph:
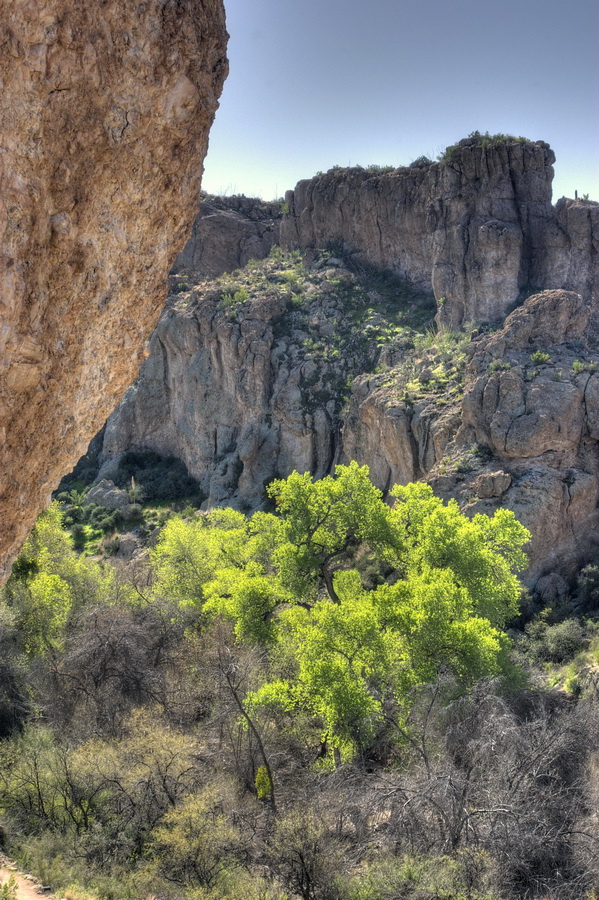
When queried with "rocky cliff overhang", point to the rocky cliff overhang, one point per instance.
{"points": [[106, 109]]}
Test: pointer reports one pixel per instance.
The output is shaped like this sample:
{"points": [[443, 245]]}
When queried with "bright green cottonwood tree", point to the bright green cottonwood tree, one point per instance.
{"points": [[349, 651], [49, 581]]}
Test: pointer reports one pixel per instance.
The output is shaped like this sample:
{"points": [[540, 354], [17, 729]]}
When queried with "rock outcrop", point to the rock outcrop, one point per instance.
{"points": [[572, 249], [532, 399], [525, 434], [477, 227], [106, 109], [247, 377], [248, 392], [228, 232]]}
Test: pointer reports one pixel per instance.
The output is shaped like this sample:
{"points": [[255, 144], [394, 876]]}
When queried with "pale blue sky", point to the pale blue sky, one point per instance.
{"points": [[315, 83]]}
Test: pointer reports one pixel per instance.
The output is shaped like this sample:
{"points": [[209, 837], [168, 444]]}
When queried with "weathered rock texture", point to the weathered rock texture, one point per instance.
{"points": [[478, 227], [247, 377], [532, 399], [247, 390], [525, 435], [106, 108], [227, 233], [400, 440], [509, 418]]}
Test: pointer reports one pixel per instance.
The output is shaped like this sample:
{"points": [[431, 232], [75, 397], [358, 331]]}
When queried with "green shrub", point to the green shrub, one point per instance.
{"points": [[263, 783], [538, 357], [375, 169], [565, 640], [578, 367], [588, 588], [306, 856], [232, 300], [485, 140], [8, 890], [497, 365], [195, 843], [421, 162], [555, 643], [79, 536]]}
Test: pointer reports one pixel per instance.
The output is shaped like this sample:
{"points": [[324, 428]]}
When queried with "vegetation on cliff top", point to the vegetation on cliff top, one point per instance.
{"points": [[477, 139], [336, 313]]}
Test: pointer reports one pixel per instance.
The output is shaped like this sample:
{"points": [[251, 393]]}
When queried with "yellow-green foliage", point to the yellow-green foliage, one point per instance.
{"points": [[195, 843], [263, 783], [351, 649], [9, 889], [50, 581]]}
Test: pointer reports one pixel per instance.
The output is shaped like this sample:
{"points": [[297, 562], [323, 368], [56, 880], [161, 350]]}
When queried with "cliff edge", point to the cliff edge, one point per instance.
{"points": [[478, 227]]}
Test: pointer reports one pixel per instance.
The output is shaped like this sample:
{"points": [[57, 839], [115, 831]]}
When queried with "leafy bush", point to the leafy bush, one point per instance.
{"points": [[263, 783], [498, 365], [232, 300], [421, 162], [485, 140], [578, 367], [538, 358], [79, 536], [9, 889], [564, 640], [195, 843], [588, 588], [306, 856], [375, 169], [555, 643]]}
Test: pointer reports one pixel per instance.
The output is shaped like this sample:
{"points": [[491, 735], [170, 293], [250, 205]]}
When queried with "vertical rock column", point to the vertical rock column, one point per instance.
{"points": [[105, 109], [473, 228]]}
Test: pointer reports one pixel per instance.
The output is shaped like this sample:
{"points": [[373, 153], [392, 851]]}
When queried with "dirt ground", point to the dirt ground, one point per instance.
{"points": [[28, 887]]}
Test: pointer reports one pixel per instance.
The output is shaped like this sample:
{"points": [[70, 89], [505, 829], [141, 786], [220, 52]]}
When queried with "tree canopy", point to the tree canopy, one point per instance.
{"points": [[360, 601]]}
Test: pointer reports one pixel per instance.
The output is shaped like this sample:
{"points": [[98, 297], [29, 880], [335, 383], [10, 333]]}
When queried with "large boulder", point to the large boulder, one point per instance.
{"points": [[106, 109]]}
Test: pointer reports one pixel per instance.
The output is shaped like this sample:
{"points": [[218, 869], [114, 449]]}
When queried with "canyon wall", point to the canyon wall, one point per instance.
{"points": [[524, 435], [106, 109], [247, 395], [227, 233], [303, 363], [478, 227], [247, 391]]}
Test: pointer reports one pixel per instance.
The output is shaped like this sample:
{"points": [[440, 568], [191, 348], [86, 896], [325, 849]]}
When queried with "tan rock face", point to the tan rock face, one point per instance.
{"points": [[106, 108]]}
